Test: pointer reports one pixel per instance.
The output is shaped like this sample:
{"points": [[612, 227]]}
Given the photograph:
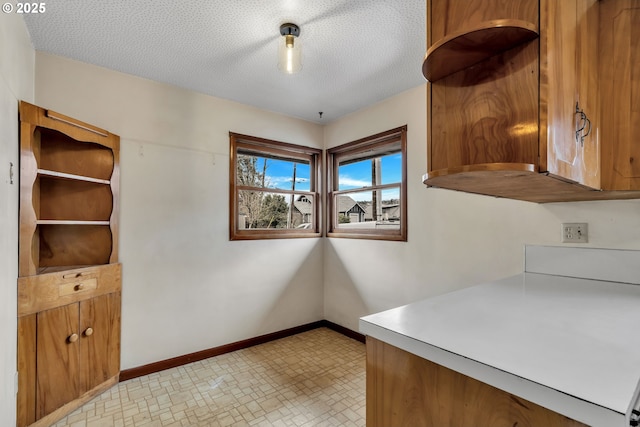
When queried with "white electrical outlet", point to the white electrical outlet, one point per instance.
{"points": [[575, 232]]}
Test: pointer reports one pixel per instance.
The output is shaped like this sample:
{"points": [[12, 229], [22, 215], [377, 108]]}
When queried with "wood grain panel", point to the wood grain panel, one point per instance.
{"points": [[73, 128], [449, 16], [464, 49], [114, 221], [57, 359], [54, 143], [487, 113], [29, 200], [569, 72], [26, 399], [99, 349], [74, 200], [62, 245], [620, 88], [520, 185], [406, 390], [64, 154], [588, 61], [45, 291], [66, 409], [558, 77]]}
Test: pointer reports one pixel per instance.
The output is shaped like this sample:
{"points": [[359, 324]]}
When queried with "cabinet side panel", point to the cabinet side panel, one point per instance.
{"points": [[449, 16], [26, 402], [620, 88], [115, 194], [488, 113], [57, 359], [414, 392], [29, 199]]}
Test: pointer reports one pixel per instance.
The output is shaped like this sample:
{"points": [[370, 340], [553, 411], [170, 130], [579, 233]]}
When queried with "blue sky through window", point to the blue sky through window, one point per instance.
{"points": [[279, 174], [358, 175]]}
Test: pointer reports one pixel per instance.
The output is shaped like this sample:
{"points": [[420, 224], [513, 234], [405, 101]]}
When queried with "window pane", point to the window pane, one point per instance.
{"points": [[379, 170], [269, 172], [263, 210], [374, 210]]}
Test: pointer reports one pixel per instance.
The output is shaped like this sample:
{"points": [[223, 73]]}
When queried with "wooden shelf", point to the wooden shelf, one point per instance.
{"points": [[70, 176], [518, 181], [465, 48], [69, 222]]}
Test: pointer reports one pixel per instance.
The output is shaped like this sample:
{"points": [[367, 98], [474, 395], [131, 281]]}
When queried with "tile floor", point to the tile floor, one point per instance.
{"points": [[315, 378]]}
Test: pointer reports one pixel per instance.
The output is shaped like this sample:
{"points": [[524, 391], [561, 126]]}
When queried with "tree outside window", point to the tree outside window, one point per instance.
{"points": [[273, 189]]}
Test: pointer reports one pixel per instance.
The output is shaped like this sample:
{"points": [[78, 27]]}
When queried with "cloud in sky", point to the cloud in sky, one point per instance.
{"points": [[285, 181], [347, 181]]}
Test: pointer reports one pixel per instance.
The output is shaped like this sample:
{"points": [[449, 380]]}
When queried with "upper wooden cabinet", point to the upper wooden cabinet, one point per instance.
{"points": [[533, 99], [68, 193]]}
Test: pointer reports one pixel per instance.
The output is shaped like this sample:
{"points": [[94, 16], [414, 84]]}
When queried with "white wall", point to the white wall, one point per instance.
{"points": [[186, 287], [455, 239], [16, 83]]}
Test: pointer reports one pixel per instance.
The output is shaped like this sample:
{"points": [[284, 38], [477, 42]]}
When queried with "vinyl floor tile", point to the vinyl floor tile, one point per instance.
{"points": [[316, 378]]}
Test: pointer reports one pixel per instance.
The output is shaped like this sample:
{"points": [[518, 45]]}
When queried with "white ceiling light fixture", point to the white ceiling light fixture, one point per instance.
{"points": [[289, 49]]}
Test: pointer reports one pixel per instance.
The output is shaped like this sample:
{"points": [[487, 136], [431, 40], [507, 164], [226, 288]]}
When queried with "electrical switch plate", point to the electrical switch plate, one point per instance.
{"points": [[575, 232]]}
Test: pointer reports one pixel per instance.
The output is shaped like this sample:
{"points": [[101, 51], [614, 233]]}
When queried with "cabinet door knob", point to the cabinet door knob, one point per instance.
{"points": [[78, 287], [88, 332], [72, 338]]}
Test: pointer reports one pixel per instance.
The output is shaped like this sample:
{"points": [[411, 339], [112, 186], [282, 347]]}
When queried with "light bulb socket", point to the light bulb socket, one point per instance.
{"points": [[289, 29]]}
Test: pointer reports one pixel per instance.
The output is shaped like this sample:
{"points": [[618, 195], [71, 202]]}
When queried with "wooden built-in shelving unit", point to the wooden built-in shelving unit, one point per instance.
{"points": [[69, 282]]}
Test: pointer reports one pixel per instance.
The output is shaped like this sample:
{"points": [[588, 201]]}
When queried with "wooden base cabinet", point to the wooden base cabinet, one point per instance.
{"points": [[70, 281], [404, 390], [74, 350], [68, 347]]}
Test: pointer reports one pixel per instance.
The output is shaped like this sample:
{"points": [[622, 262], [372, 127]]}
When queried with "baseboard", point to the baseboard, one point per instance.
{"points": [[238, 345], [344, 331]]}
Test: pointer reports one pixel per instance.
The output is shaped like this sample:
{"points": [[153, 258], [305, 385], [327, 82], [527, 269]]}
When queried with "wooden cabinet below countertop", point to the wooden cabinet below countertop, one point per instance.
{"points": [[405, 390]]}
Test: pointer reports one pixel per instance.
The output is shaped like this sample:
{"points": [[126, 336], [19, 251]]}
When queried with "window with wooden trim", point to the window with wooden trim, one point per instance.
{"points": [[367, 187], [273, 189]]}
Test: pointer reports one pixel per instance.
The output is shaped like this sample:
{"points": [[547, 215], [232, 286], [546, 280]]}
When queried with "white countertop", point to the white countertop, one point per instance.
{"points": [[569, 344]]}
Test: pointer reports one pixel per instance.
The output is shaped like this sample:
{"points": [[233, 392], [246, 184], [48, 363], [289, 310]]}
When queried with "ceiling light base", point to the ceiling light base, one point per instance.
{"points": [[289, 29]]}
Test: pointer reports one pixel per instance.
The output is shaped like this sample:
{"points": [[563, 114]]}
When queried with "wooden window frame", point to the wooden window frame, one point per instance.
{"points": [[351, 149], [282, 150]]}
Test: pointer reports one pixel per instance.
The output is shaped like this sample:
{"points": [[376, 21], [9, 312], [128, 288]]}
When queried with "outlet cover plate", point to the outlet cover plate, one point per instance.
{"points": [[575, 232]]}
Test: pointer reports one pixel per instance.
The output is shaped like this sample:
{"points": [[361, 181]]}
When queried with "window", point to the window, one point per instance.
{"points": [[273, 189], [367, 187]]}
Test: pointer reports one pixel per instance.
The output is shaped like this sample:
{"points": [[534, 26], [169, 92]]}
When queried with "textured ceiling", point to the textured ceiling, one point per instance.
{"points": [[354, 52]]}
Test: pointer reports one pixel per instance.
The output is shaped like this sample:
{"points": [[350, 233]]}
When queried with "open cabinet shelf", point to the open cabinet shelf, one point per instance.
{"points": [[62, 175], [464, 48], [69, 192]]}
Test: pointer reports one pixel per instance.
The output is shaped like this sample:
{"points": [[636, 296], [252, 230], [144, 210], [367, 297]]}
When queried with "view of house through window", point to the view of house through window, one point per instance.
{"points": [[368, 187], [273, 189]]}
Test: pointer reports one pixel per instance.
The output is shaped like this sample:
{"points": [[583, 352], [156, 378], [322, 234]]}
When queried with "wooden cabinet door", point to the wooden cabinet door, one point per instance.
{"points": [[570, 82], [57, 358], [620, 93], [99, 340]]}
